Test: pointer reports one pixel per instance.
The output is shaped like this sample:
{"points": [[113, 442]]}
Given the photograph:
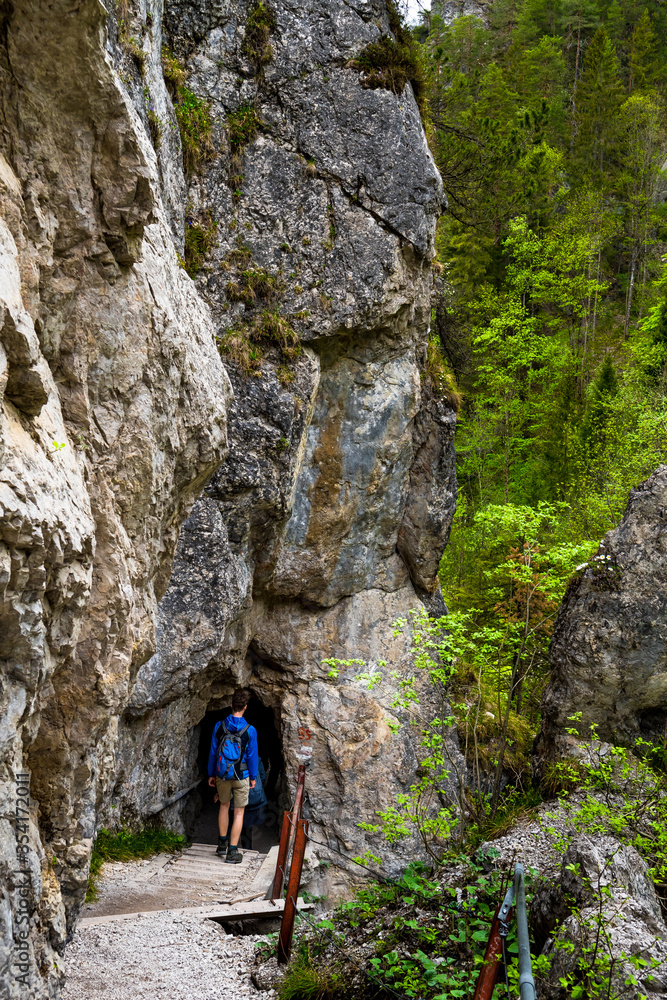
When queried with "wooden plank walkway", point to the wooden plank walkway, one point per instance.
{"points": [[233, 911], [175, 883]]}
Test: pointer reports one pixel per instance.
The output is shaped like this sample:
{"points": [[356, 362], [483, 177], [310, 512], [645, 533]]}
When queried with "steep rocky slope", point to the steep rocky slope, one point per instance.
{"points": [[609, 650], [329, 516]]}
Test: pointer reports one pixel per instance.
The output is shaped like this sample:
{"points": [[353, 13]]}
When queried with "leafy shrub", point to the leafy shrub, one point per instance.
{"points": [[200, 237], [261, 25], [426, 936], [127, 846]]}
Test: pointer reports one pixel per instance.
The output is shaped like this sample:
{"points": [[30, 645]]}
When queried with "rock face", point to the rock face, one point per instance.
{"points": [[328, 519], [450, 10], [609, 649], [604, 891], [113, 416], [329, 516]]}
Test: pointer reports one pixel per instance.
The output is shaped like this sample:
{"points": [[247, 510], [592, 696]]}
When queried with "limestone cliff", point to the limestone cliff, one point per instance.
{"points": [[113, 416], [327, 520], [609, 650]]}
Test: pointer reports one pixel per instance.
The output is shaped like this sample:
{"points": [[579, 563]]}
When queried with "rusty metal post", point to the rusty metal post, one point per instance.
{"points": [[488, 974], [286, 846], [297, 808], [289, 913], [279, 876]]}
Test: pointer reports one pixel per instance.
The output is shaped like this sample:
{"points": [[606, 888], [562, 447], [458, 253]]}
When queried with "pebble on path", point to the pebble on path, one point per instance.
{"points": [[160, 956]]}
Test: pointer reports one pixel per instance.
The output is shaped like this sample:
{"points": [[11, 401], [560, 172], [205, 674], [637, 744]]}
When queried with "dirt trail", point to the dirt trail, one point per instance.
{"points": [[160, 952]]}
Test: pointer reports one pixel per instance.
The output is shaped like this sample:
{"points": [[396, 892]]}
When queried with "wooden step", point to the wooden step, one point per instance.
{"points": [[262, 883], [236, 911]]}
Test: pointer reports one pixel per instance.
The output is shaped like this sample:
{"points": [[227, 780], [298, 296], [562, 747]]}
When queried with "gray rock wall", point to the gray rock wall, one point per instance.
{"points": [[609, 649], [328, 518], [113, 416]]}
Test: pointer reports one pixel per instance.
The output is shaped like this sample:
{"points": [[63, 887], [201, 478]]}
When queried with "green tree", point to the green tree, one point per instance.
{"points": [[641, 62], [598, 102]]}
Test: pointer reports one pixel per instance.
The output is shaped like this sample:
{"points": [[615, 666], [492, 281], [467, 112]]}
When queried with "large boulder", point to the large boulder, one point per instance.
{"points": [[609, 650]]}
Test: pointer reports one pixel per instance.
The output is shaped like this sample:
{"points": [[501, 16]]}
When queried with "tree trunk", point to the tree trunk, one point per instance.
{"points": [[633, 268]]}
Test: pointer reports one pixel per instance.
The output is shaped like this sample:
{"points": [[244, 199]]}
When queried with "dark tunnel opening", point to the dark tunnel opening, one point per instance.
{"points": [[264, 832]]}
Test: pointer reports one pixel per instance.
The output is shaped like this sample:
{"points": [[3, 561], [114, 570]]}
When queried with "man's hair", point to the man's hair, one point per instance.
{"points": [[240, 699]]}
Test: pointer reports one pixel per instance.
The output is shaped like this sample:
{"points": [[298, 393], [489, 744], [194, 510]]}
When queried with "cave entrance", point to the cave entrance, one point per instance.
{"points": [[258, 836]]}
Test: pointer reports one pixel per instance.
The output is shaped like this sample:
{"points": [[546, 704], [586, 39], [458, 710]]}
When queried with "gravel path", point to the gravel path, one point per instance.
{"points": [[160, 956]]}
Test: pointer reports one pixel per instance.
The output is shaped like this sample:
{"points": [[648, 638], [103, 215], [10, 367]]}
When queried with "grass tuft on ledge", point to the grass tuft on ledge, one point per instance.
{"points": [[391, 63], [126, 846], [256, 46]]}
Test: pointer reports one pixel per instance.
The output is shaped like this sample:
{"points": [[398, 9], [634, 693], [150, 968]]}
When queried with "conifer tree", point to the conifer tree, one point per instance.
{"points": [[641, 69], [598, 410], [599, 100]]}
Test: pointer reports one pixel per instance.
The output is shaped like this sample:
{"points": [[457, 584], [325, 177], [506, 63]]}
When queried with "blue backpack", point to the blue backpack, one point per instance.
{"points": [[232, 749]]}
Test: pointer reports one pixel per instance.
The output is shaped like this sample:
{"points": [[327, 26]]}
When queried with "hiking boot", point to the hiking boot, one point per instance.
{"points": [[234, 856], [223, 844]]}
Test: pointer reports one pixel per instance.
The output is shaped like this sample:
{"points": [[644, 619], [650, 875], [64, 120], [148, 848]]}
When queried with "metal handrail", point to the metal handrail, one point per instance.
{"points": [[515, 896], [526, 981]]}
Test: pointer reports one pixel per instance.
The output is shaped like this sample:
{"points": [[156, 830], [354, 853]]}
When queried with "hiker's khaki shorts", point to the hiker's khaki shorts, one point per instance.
{"points": [[240, 789]]}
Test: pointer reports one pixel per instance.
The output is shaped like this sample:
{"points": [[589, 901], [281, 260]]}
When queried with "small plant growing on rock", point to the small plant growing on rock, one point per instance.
{"points": [[272, 328], [242, 126], [173, 71], [193, 116], [256, 46], [200, 235], [244, 343], [440, 378], [236, 344], [391, 63], [196, 127], [254, 284]]}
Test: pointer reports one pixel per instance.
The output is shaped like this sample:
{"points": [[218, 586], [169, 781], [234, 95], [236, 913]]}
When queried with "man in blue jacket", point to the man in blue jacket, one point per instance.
{"points": [[233, 763]]}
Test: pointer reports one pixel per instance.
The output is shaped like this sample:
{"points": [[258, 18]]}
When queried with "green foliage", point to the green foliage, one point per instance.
{"points": [[270, 327], [193, 116], [196, 127], [237, 345], [200, 237], [127, 846], [173, 71], [441, 380], [242, 126], [304, 981], [392, 62], [428, 937], [261, 25], [245, 342], [253, 284]]}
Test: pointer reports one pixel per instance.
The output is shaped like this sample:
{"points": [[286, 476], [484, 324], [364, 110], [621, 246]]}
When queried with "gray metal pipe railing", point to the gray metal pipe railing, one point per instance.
{"points": [[152, 810], [516, 896], [526, 981]]}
